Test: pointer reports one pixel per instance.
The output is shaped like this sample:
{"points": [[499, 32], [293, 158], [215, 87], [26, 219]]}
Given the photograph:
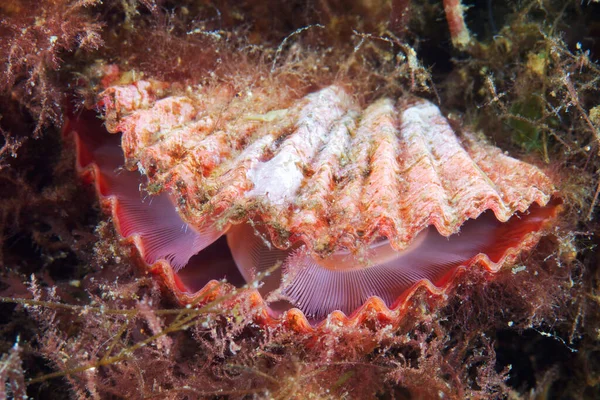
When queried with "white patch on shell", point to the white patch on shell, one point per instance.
{"points": [[279, 179], [420, 113]]}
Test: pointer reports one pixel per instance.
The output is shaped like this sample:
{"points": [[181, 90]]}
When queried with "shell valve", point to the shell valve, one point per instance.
{"points": [[352, 203]]}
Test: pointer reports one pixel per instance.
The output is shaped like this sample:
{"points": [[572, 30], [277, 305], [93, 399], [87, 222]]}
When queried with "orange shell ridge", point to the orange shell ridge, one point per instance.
{"points": [[319, 175]]}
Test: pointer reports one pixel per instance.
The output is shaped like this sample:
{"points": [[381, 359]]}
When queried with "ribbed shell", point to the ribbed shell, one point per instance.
{"points": [[318, 169]]}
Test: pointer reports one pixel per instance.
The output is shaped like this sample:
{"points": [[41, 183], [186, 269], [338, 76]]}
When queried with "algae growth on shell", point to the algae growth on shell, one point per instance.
{"points": [[353, 202]]}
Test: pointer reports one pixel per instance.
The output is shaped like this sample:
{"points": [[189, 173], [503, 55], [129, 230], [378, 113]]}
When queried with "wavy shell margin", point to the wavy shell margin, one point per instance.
{"points": [[215, 150], [502, 195]]}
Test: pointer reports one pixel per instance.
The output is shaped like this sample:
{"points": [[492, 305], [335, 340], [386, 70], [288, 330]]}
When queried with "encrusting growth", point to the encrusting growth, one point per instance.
{"points": [[353, 203]]}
